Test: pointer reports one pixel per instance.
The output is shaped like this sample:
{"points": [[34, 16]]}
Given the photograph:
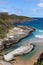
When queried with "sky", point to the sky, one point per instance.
{"points": [[30, 8]]}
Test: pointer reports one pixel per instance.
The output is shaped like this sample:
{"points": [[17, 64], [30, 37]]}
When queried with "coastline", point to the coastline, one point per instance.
{"points": [[22, 50], [30, 61], [19, 61], [15, 35]]}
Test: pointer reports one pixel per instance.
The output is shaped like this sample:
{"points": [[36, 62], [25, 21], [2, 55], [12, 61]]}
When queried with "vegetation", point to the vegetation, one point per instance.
{"points": [[4, 27], [6, 22], [40, 60]]}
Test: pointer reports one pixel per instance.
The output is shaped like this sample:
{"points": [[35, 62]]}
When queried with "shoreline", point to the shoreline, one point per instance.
{"points": [[30, 61], [15, 23], [19, 61], [14, 37], [22, 50]]}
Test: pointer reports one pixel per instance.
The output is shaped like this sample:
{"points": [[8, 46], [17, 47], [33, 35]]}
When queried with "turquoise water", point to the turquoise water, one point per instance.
{"points": [[38, 25], [38, 34]]}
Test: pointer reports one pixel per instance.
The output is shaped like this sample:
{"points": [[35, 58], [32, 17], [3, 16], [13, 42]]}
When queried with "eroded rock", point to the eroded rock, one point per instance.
{"points": [[15, 34]]}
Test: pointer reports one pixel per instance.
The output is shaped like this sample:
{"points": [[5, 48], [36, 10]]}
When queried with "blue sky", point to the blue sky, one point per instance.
{"points": [[31, 8]]}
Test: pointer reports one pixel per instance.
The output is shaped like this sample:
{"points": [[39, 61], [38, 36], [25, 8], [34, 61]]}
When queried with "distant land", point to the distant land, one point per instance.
{"points": [[13, 17], [7, 21]]}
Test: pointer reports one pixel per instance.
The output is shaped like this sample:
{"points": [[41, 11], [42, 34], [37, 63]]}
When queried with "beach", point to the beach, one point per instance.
{"points": [[27, 62], [19, 61], [35, 38], [30, 61]]}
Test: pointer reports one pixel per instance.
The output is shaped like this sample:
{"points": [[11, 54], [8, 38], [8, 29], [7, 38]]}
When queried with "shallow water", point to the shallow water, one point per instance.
{"points": [[38, 34], [35, 36]]}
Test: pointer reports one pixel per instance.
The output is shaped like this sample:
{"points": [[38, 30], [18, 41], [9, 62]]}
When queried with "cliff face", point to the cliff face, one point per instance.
{"points": [[15, 35], [7, 21]]}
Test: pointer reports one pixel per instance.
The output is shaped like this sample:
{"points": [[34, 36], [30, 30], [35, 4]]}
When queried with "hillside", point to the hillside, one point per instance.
{"points": [[6, 22]]}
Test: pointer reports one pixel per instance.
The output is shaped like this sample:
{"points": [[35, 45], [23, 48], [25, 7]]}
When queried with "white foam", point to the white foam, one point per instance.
{"points": [[39, 34], [37, 30], [40, 30]]}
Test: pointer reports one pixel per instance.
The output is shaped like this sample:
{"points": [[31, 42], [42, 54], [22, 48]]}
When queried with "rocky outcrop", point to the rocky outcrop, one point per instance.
{"points": [[19, 51], [15, 35]]}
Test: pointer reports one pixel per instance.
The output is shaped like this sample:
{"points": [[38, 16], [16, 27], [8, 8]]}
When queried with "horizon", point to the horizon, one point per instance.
{"points": [[29, 8]]}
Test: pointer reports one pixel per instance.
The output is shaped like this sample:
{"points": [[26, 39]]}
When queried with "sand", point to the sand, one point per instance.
{"points": [[19, 61], [30, 61]]}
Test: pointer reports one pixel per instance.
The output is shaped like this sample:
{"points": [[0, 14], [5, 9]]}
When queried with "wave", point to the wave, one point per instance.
{"points": [[38, 34], [40, 30]]}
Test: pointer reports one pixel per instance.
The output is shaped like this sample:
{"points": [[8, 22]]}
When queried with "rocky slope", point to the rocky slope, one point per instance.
{"points": [[15, 35], [7, 21]]}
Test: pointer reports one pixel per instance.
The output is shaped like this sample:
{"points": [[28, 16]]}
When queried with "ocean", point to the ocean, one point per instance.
{"points": [[37, 36], [34, 38], [37, 23]]}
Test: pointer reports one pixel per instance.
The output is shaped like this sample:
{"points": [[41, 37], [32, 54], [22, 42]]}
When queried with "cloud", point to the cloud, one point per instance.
{"points": [[3, 2], [41, 0], [10, 11], [34, 10], [28, 0], [37, 10], [4, 10], [17, 11], [40, 4], [39, 7]]}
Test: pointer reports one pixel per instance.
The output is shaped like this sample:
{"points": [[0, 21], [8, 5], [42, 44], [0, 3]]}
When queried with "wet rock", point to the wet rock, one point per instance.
{"points": [[15, 35]]}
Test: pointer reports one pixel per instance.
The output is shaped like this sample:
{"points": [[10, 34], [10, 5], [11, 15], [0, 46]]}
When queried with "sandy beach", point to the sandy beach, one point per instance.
{"points": [[30, 61], [19, 61]]}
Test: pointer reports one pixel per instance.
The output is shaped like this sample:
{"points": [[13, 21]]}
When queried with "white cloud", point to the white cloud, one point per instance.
{"points": [[3, 2], [40, 4], [10, 11], [4, 10], [35, 9], [39, 8], [41, 0]]}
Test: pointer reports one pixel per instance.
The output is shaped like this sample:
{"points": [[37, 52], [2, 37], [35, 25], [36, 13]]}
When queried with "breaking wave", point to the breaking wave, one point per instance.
{"points": [[39, 34]]}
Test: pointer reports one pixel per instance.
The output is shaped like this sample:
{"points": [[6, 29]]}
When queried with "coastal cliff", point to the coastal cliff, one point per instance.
{"points": [[15, 35], [9, 33], [7, 22]]}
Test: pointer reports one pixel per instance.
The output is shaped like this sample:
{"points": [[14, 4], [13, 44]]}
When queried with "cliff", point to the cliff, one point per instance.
{"points": [[7, 21], [15, 35]]}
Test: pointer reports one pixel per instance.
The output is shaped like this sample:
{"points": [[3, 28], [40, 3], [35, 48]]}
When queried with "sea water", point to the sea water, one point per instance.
{"points": [[37, 23], [37, 36]]}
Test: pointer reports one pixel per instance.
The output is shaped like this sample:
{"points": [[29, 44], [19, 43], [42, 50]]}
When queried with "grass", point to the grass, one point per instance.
{"points": [[7, 22]]}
